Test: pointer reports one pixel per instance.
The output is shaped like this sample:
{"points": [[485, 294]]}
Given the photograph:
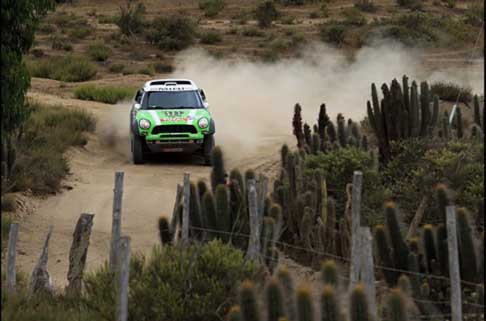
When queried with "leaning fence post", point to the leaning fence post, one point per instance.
{"points": [[116, 224], [40, 279], [253, 252], [185, 210], [456, 303], [355, 224], [11, 255], [78, 252], [175, 214], [124, 269], [367, 268]]}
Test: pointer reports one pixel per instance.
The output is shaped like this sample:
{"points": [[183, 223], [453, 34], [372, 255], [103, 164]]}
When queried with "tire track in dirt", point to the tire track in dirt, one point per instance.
{"points": [[149, 192]]}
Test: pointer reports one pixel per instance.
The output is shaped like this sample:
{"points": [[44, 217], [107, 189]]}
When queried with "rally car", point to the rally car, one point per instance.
{"points": [[171, 116]]}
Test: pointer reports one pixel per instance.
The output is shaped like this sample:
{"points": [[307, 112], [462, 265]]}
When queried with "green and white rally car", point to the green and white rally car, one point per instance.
{"points": [[171, 115]]}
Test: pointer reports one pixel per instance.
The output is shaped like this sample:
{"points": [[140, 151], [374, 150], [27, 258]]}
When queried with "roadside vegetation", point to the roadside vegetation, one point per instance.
{"points": [[70, 68], [106, 94]]}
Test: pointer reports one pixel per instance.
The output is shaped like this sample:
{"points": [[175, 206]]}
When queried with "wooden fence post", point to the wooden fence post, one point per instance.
{"points": [[123, 273], [175, 214], [185, 210], [11, 256], [40, 279], [78, 252], [116, 224], [367, 272], [355, 224], [456, 301], [253, 252]]}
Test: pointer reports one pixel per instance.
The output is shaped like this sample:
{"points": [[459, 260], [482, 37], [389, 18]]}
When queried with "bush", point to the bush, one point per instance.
{"points": [[9, 203], [146, 70], [211, 8], [333, 33], [98, 52], [266, 13], [449, 91], [79, 33], [102, 19], [48, 133], [410, 4], [199, 283], [36, 52], [162, 68], [252, 32], [6, 222], [67, 68], [172, 32], [353, 17], [366, 6], [211, 37], [108, 95], [58, 43], [475, 14], [117, 68], [131, 19]]}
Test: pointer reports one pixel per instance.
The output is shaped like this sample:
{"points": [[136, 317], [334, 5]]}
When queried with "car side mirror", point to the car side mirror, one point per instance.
{"points": [[203, 95], [137, 106]]}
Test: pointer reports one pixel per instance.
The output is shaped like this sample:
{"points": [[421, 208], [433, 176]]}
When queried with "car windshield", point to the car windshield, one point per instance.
{"points": [[172, 99]]}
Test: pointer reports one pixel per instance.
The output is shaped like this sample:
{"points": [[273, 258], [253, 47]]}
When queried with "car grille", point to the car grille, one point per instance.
{"points": [[162, 129]]}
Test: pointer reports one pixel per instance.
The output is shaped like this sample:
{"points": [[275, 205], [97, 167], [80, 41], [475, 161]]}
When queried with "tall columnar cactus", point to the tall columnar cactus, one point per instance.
{"points": [[442, 250], [202, 188], [307, 135], [399, 247], [442, 200], [435, 112], [234, 314], [305, 309], [322, 121], [467, 253], [284, 153], [331, 133], [210, 215], [481, 259], [459, 123], [248, 302], [164, 232], [477, 112], [316, 144], [195, 215], [329, 273], [341, 130], [396, 306], [297, 125], [287, 285], [330, 309], [275, 304], [424, 108], [384, 256], [413, 264], [223, 211], [364, 142], [218, 174], [405, 285], [358, 307], [429, 246]]}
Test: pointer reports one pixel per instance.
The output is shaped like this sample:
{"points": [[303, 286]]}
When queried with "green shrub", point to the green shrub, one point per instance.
{"points": [[9, 203], [199, 283], [353, 17], [6, 222], [116, 68], [211, 8], [410, 4], [79, 33], [109, 94], [163, 68], [48, 133], [146, 70], [131, 20], [211, 37], [98, 52], [103, 19], [63, 20], [366, 6], [46, 28], [266, 13], [252, 32], [58, 43], [172, 32], [450, 91], [333, 33], [68, 68], [475, 13]]}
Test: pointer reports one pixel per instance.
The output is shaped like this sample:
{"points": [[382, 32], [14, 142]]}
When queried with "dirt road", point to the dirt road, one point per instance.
{"points": [[149, 191]]}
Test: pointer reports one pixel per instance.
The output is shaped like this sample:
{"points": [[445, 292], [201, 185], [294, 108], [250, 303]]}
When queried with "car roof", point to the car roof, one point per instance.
{"points": [[169, 85]]}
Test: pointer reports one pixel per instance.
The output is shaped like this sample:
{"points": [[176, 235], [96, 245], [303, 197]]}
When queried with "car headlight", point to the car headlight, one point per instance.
{"points": [[203, 123], [144, 124]]}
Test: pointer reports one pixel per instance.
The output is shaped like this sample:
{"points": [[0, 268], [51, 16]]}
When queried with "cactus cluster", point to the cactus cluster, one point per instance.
{"points": [[308, 211], [8, 158], [324, 135], [427, 254]]}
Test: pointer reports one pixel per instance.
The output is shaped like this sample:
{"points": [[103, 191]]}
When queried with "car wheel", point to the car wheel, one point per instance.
{"points": [[208, 149], [137, 151]]}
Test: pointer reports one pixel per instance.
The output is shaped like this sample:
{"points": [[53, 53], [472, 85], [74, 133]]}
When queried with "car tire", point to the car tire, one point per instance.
{"points": [[137, 151], [208, 146]]}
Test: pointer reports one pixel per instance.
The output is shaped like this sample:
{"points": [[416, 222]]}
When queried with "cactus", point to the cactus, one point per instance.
{"points": [[404, 285], [467, 254], [266, 240], [297, 125], [248, 304], [429, 246], [396, 306], [274, 300], [322, 121], [234, 314], [331, 226], [435, 112], [218, 174], [481, 259], [202, 188], [210, 216], [442, 199], [195, 216], [329, 273], [250, 174], [459, 124], [359, 304], [223, 211], [442, 250], [316, 144], [445, 126], [305, 310], [341, 131], [306, 227], [400, 249], [284, 153], [329, 305], [331, 133], [477, 112], [287, 285], [424, 108], [413, 264], [425, 290], [307, 135], [164, 232], [384, 256], [364, 143]]}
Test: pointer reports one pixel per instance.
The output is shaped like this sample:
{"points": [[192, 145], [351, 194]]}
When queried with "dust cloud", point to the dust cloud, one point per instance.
{"points": [[253, 101]]}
